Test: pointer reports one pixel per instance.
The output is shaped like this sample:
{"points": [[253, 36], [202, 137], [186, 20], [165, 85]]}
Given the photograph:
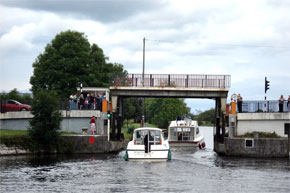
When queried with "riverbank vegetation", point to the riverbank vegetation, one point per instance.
{"points": [[260, 135], [20, 138]]}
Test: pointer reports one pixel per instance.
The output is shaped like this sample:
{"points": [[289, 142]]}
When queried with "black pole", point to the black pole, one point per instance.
{"points": [[218, 126], [113, 137]]}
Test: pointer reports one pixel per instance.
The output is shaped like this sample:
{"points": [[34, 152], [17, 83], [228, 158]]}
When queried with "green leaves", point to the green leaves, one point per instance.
{"points": [[158, 111], [69, 60], [161, 111], [46, 122]]}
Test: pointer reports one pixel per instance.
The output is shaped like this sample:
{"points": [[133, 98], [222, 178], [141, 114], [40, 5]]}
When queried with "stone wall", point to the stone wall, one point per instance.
{"points": [[75, 144], [4, 150], [72, 121], [99, 144], [262, 147]]}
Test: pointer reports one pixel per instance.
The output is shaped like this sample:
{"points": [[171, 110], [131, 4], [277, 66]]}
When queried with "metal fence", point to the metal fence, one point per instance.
{"points": [[174, 80], [259, 106]]}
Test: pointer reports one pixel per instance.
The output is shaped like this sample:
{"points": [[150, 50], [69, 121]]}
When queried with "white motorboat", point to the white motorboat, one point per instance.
{"points": [[185, 135], [148, 144]]}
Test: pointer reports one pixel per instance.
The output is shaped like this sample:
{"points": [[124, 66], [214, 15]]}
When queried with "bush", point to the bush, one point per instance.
{"points": [[131, 129], [45, 123]]}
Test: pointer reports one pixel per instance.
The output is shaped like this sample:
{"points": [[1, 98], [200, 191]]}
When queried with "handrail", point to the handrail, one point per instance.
{"points": [[252, 106], [174, 80]]}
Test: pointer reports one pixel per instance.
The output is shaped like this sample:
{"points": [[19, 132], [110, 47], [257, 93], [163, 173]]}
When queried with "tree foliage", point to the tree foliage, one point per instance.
{"points": [[70, 60], [206, 117], [158, 111], [46, 122], [133, 109], [161, 111]]}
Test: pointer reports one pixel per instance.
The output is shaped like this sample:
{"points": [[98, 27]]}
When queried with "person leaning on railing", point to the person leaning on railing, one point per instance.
{"points": [[281, 102], [288, 104], [240, 103]]}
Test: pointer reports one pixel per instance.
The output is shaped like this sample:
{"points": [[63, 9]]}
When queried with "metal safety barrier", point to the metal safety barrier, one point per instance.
{"points": [[174, 80]]}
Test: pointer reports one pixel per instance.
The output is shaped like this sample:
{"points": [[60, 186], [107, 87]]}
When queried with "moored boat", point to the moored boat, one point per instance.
{"points": [[184, 134], [148, 144]]}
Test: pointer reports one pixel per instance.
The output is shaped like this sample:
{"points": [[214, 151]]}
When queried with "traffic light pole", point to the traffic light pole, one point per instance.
{"points": [[265, 103]]}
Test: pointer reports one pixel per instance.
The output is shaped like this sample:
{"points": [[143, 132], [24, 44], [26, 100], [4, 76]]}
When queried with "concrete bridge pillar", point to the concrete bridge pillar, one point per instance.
{"points": [[117, 112], [114, 103], [220, 118]]}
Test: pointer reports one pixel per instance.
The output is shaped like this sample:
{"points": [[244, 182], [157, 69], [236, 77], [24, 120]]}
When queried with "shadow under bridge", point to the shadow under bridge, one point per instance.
{"points": [[173, 86]]}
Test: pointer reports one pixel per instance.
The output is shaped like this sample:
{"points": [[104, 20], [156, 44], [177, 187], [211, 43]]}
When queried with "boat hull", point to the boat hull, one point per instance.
{"points": [[154, 155], [187, 145]]}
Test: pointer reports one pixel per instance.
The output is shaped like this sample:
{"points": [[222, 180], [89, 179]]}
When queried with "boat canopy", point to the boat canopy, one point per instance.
{"points": [[184, 123], [153, 135]]}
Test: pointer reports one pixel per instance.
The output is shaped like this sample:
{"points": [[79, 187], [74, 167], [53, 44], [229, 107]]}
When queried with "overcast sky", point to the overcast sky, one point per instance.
{"points": [[245, 39]]}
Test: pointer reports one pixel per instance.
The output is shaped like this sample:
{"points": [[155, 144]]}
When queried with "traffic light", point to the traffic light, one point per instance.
{"points": [[109, 114], [267, 84]]}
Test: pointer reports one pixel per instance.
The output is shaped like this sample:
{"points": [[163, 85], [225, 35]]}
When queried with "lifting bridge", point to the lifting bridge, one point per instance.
{"points": [[174, 86]]}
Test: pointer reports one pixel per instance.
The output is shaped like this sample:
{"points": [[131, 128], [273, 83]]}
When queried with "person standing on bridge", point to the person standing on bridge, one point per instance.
{"points": [[93, 125], [288, 104], [281, 103], [240, 103]]}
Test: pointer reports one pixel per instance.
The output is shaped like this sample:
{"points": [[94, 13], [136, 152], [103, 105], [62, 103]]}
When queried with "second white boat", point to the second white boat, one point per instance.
{"points": [[185, 135]]}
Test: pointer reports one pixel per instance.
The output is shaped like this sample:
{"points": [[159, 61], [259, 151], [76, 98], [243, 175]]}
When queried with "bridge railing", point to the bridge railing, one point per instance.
{"points": [[255, 106], [174, 80]]}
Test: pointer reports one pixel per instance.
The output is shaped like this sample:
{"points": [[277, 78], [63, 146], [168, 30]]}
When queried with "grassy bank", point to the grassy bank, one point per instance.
{"points": [[19, 138], [12, 133]]}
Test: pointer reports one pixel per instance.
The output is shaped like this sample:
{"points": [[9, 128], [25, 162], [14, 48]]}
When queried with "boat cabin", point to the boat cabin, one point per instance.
{"points": [[183, 130], [142, 136]]}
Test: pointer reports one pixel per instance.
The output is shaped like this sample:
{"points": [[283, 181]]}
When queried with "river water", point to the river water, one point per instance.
{"points": [[197, 171]]}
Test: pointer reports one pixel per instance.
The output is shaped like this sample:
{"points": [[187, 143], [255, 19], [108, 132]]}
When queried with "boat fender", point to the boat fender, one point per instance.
{"points": [[125, 156], [169, 155], [201, 145]]}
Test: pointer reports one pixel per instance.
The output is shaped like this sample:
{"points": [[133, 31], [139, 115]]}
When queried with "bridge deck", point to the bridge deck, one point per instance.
{"points": [[172, 85]]}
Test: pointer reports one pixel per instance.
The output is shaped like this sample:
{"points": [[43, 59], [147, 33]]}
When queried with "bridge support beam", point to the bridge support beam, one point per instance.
{"points": [[117, 112], [220, 107], [119, 118]]}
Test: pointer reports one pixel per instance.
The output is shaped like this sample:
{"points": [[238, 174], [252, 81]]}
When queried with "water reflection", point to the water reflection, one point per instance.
{"points": [[196, 171]]}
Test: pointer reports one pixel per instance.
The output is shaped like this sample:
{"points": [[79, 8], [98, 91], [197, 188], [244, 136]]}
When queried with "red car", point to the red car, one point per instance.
{"points": [[13, 105]]}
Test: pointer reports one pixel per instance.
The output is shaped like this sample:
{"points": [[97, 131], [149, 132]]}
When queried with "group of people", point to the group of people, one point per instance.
{"points": [[86, 101], [281, 103]]}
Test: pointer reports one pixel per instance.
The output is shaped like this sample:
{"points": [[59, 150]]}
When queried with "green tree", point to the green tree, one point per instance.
{"points": [[70, 60], [206, 117], [132, 109], [163, 110], [45, 123]]}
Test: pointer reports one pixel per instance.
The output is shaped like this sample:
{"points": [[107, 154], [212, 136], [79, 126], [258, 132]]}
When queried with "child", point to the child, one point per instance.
{"points": [[93, 125]]}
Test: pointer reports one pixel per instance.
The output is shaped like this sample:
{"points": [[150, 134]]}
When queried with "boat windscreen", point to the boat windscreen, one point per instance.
{"points": [[154, 136], [181, 134]]}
